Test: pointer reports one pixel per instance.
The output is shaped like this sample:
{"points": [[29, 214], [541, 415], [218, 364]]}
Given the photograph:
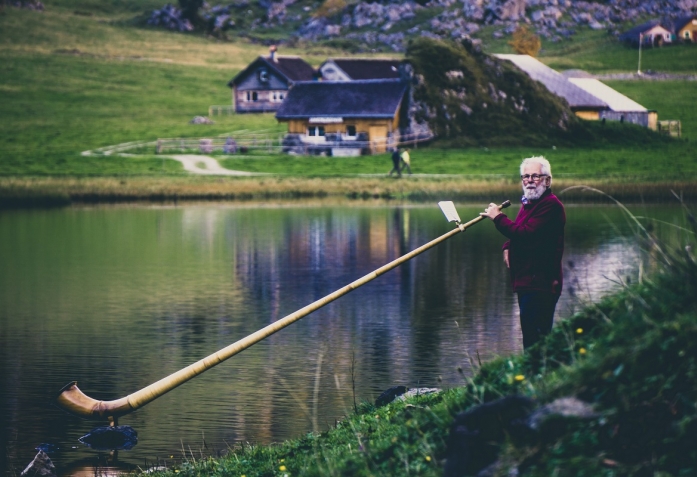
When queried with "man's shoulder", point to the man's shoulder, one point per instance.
{"points": [[551, 200]]}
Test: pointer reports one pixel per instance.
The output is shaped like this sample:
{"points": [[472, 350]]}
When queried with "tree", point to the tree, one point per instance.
{"points": [[525, 42]]}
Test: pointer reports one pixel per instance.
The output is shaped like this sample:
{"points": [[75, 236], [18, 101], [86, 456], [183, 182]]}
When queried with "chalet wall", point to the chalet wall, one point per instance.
{"points": [[688, 32], [588, 115], [633, 117]]}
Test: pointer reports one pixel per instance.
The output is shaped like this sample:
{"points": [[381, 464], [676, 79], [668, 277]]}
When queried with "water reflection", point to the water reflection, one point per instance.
{"points": [[117, 298]]}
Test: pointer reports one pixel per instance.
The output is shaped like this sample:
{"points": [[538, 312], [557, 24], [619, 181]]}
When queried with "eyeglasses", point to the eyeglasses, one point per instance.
{"points": [[532, 177]]}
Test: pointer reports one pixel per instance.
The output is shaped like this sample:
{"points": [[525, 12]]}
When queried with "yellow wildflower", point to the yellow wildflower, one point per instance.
{"points": [[282, 468], [582, 351], [428, 458], [579, 330], [520, 377]]}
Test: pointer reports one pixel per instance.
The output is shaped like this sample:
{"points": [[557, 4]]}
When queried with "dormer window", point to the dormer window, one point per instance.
{"points": [[263, 75]]}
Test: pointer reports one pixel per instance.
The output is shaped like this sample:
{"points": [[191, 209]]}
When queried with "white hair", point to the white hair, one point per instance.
{"points": [[546, 168]]}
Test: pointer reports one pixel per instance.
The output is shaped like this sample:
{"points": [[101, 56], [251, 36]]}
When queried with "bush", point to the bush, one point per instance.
{"points": [[525, 42]]}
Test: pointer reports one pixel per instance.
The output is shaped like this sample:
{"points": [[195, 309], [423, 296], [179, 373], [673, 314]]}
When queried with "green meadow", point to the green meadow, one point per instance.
{"points": [[83, 75]]}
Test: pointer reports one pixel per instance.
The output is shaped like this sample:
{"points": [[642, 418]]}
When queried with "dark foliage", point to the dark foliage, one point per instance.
{"points": [[468, 97]]}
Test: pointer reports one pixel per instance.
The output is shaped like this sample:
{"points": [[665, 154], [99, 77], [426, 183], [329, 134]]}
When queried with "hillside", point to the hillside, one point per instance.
{"points": [[363, 26]]}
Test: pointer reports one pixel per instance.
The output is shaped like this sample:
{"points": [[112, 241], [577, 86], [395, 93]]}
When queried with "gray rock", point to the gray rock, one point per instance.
{"points": [[596, 26], [41, 466], [568, 407], [537, 16], [201, 120], [332, 30]]}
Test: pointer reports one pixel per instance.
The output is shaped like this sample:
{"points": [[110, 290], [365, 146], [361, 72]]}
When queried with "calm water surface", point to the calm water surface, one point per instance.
{"points": [[119, 297]]}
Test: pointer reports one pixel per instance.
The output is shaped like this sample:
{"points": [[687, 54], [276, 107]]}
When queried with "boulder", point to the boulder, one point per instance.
{"points": [[111, 437], [477, 434], [332, 30], [201, 120]]}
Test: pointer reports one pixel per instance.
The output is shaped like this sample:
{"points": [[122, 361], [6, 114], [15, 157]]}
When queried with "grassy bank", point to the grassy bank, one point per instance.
{"points": [[632, 357], [27, 192]]}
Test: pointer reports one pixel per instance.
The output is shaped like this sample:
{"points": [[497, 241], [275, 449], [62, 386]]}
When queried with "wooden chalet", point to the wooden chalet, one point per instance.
{"points": [[352, 69], [264, 84], [685, 29], [344, 118], [647, 34]]}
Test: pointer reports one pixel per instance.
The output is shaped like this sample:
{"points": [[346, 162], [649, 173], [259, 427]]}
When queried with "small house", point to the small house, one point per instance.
{"points": [[352, 69], [582, 103], [344, 118], [685, 29], [647, 34], [264, 84]]}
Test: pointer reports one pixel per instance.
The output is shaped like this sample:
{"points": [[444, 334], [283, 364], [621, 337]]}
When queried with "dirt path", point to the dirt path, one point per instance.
{"points": [[206, 165]]}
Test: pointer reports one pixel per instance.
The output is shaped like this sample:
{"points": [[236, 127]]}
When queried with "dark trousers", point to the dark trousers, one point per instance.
{"points": [[536, 315]]}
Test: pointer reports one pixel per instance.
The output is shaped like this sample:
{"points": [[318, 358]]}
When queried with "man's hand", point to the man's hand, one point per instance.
{"points": [[505, 259], [492, 211]]}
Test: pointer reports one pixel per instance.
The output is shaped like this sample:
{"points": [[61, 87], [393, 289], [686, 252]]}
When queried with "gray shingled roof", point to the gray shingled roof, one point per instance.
{"points": [[368, 68], [293, 68], [347, 99], [633, 34], [555, 82]]}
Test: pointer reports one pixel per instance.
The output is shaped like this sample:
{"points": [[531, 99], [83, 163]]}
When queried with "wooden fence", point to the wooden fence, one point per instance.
{"points": [[670, 128], [236, 144], [221, 110]]}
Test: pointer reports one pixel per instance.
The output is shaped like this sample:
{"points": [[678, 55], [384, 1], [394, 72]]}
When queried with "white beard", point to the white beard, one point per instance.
{"points": [[535, 192]]}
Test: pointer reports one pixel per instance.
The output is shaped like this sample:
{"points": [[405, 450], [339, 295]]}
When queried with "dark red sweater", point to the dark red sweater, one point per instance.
{"points": [[536, 244]]}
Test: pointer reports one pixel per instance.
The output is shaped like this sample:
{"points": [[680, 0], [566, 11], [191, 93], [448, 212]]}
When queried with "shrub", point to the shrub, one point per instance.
{"points": [[525, 42]]}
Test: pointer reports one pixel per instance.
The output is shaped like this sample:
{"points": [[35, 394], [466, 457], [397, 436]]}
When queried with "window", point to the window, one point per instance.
{"points": [[351, 130], [255, 96], [263, 75], [276, 96], [315, 131]]}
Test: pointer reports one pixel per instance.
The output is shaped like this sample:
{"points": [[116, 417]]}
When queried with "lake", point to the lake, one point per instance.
{"points": [[117, 297]]}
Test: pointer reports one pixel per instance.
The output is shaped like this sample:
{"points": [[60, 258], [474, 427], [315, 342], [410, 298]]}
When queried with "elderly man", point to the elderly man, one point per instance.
{"points": [[534, 249]]}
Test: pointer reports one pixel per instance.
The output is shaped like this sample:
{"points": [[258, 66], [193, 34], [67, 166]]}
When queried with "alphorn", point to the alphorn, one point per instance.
{"points": [[71, 399]]}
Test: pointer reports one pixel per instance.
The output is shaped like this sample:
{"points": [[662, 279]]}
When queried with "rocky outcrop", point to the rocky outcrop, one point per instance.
{"points": [[389, 24], [477, 434]]}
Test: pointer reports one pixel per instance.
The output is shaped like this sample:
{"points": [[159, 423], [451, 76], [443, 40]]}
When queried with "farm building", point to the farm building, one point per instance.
{"points": [[620, 107], [351, 69], [582, 103], [264, 84], [344, 118], [647, 34]]}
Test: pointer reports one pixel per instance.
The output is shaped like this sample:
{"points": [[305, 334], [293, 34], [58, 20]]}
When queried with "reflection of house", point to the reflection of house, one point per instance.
{"points": [[350, 69], [344, 118], [647, 34], [582, 103], [264, 84], [620, 107]]}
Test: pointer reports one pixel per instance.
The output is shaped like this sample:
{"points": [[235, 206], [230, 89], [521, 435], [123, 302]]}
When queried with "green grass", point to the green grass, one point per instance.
{"points": [[599, 52], [657, 162], [74, 82]]}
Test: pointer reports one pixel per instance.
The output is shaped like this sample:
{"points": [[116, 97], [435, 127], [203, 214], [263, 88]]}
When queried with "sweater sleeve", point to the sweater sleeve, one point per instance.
{"points": [[544, 213]]}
